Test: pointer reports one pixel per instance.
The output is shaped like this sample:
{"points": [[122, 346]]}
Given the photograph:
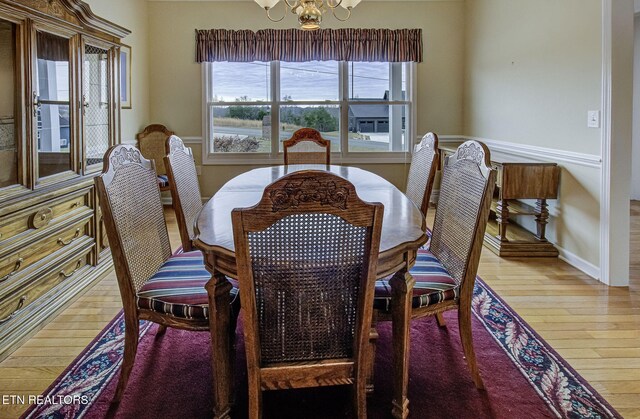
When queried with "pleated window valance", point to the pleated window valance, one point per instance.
{"points": [[293, 45]]}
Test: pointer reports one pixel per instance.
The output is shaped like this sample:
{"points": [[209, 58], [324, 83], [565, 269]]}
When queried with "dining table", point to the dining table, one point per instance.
{"points": [[403, 233]]}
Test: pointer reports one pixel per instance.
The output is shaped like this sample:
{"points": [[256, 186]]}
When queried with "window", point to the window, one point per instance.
{"points": [[363, 108], [53, 113]]}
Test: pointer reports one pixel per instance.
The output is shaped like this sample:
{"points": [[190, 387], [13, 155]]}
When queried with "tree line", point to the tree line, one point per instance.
{"points": [[319, 118]]}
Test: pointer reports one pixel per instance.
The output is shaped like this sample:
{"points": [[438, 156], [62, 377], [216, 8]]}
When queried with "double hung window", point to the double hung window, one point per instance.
{"points": [[363, 108]]}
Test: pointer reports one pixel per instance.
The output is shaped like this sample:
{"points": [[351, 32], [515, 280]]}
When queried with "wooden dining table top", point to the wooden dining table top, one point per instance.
{"points": [[403, 226]]}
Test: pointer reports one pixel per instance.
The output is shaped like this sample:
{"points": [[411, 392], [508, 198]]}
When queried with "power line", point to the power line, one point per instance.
{"points": [[318, 71]]}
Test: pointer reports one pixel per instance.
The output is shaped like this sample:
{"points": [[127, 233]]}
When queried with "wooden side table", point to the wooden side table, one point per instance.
{"points": [[518, 179]]}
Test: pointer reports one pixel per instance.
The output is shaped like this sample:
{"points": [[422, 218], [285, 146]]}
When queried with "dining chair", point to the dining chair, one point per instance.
{"points": [[151, 143], [306, 146], [443, 276], [154, 285], [307, 256], [185, 188], [422, 171]]}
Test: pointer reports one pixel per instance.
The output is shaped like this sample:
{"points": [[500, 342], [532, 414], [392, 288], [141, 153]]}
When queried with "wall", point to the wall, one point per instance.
{"points": [[176, 81], [131, 14], [534, 69], [635, 167]]}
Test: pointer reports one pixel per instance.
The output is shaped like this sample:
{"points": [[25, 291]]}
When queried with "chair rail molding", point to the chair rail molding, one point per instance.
{"points": [[192, 140], [536, 153]]}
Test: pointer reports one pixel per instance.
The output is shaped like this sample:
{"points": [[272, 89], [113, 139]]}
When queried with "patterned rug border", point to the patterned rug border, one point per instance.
{"points": [[560, 387], [83, 365]]}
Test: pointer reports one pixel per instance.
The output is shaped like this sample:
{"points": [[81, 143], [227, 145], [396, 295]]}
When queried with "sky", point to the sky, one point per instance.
{"points": [[316, 80]]}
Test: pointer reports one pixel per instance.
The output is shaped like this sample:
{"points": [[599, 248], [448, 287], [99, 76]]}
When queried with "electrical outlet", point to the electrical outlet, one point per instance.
{"points": [[593, 119]]}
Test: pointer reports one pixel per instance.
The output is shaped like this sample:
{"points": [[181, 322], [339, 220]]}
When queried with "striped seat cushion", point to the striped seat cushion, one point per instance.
{"points": [[433, 284], [163, 181], [178, 288]]}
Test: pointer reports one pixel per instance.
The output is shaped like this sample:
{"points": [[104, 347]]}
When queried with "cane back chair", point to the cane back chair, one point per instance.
{"points": [[151, 142], [307, 256], [422, 171], [443, 277], [306, 146], [185, 190], [154, 285]]}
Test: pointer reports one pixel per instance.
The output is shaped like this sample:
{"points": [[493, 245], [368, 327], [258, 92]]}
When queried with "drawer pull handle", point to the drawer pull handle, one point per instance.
{"points": [[70, 274], [42, 218], [10, 316], [16, 268], [74, 205], [61, 242]]}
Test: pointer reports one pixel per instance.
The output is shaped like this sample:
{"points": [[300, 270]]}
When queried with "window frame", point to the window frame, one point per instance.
{"points": [[275, 156]]}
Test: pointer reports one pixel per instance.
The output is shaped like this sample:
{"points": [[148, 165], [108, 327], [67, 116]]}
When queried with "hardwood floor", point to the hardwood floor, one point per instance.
{"points": [[594, 327]]}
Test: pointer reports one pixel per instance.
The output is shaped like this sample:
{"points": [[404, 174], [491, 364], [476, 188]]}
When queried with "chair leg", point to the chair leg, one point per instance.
{"points": [[161, 330], [464, 324], [360, 393], [131, 336], [441, 321], [232, 353], [255, 397], [401, 293], [218, 288], [371, 356]]}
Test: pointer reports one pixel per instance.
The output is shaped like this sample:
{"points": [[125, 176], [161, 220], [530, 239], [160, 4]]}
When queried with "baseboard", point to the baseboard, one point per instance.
{"points": [[579, 263], [435, 195]]}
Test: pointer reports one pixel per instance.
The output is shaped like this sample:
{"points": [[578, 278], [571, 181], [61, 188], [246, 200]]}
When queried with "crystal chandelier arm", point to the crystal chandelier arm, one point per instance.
{"points": [[276, 20], [339, 18]]}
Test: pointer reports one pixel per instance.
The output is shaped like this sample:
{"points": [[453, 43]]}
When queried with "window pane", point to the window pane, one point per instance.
{"points": [[53, 139], [368, 80], [325, 119], [241, 82], [8, 149], [377, 128], [241, 129], [377, 81], [309, 81], [53, 67], [53, 118], [96, 104]]}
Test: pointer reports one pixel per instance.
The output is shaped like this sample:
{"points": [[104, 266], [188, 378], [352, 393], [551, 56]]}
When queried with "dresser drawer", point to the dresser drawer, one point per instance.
{"points": [[40, 217], [20, 260], [64, 270]]}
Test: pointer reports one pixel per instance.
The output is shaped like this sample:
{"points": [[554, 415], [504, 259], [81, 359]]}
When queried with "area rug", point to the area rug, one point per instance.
{"points": [[524, 377]]}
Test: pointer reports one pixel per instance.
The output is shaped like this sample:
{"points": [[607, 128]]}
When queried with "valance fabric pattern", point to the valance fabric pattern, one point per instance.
{"points": [[293, 45]]}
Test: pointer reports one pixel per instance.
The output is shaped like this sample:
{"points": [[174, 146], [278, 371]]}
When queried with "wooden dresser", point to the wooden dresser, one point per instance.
{"points": [[518, 179], [59, 112]]}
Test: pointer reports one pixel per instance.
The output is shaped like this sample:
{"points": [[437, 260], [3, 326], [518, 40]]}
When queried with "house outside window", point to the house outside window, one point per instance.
{"points": [[361, 107]]}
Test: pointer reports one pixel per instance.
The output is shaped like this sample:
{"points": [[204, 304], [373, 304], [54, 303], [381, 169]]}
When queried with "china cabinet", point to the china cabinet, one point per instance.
{"points": [[59, 112]]}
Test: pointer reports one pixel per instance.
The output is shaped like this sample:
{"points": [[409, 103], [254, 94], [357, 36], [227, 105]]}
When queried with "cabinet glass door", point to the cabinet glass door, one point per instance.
{"points": [[97, 104], [8, 134], [53, 117]]}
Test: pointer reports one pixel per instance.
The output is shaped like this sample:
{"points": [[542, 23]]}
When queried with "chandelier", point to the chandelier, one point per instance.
{"points": [[310, 12]]}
